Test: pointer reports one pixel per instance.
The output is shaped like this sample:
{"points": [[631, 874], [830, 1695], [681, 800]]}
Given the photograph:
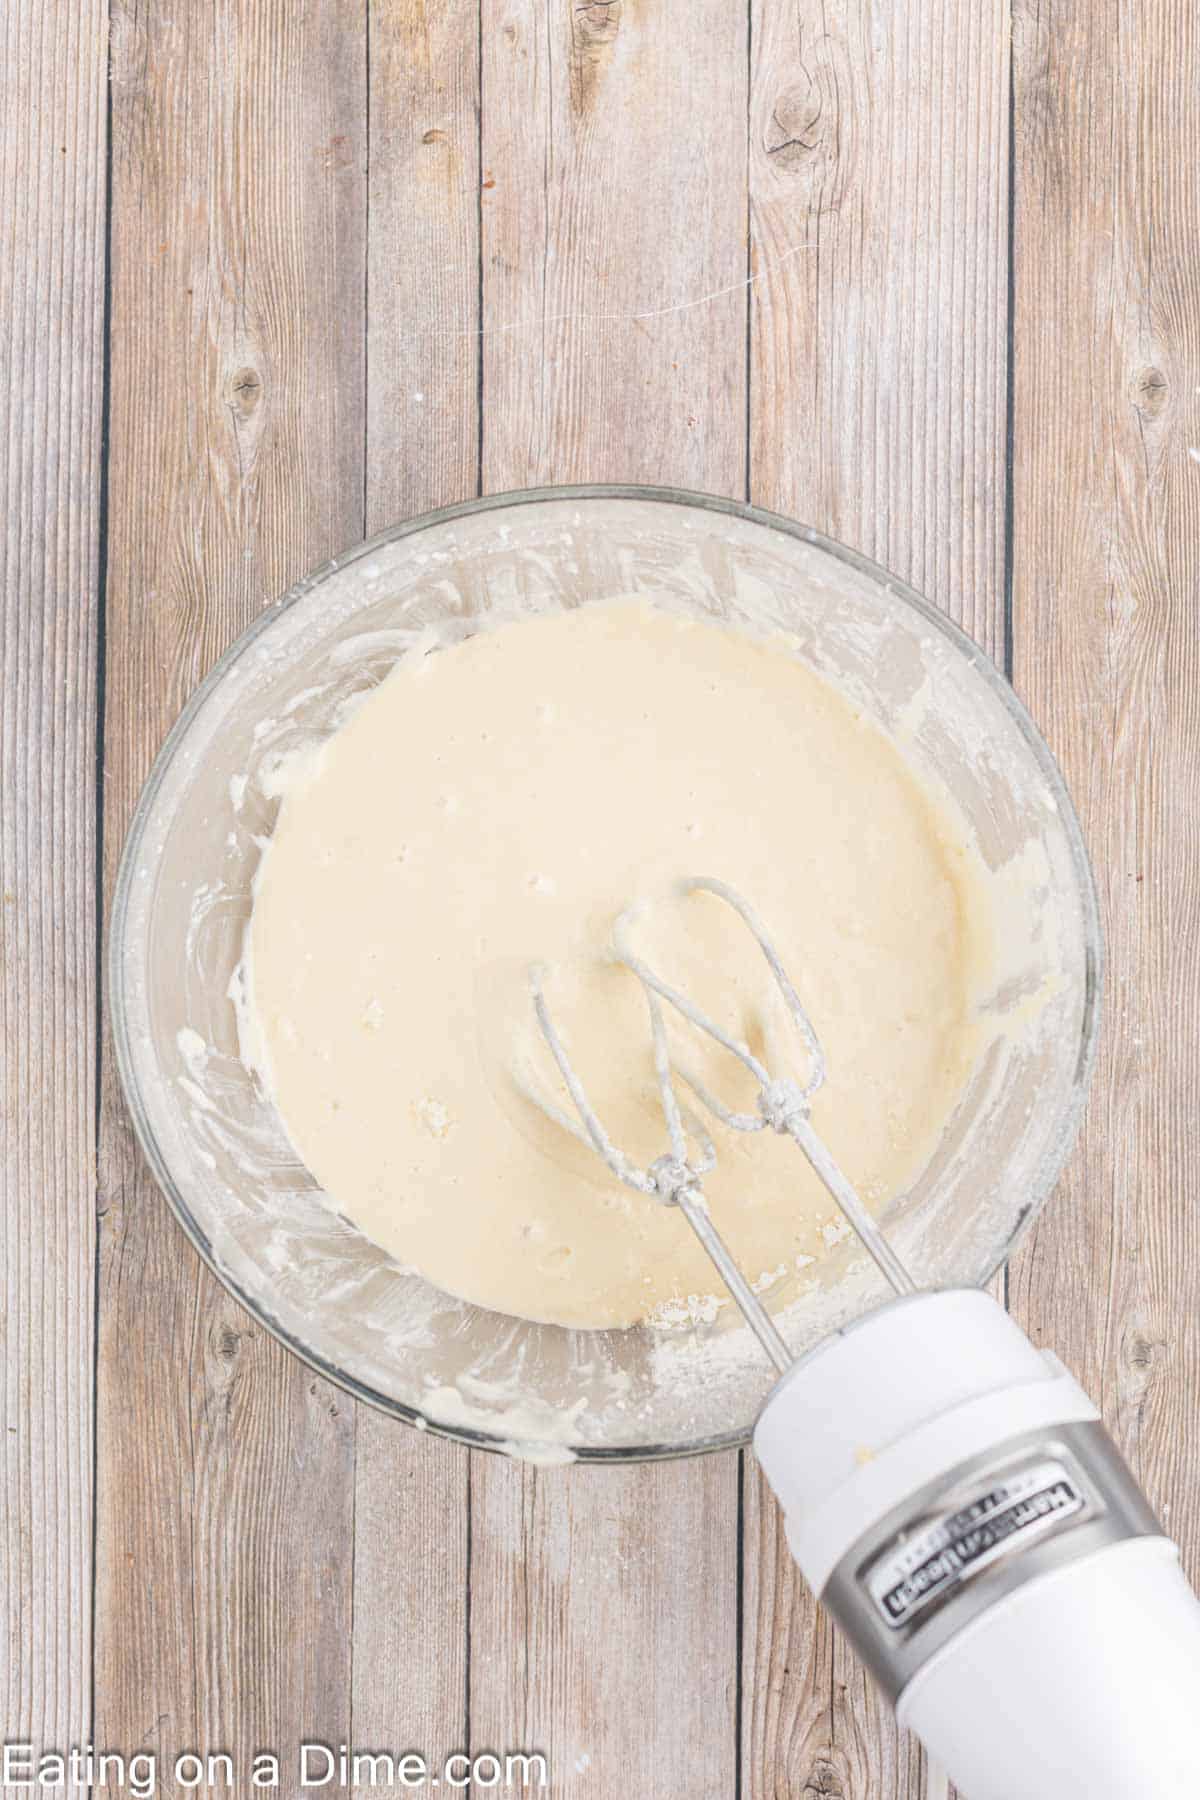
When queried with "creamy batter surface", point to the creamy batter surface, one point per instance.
{"points": [[497, 804]]}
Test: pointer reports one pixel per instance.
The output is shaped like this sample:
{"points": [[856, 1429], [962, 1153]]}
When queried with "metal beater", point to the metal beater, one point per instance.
{"points": [[784, 1106], [949, 1491]]}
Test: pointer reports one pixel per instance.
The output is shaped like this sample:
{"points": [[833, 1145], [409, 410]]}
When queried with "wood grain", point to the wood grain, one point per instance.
{"points": [[614, 232], [879, 221], [412, 1507], [878, 181], [1106, 585], [52, 150], [268, 1562], [225, 1469], [604, 1602], [423, 343], [604, 1626]]}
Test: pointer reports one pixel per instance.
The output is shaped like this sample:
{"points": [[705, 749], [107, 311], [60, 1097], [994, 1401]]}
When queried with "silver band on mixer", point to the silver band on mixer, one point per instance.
{"points": [[1008, 1516]]}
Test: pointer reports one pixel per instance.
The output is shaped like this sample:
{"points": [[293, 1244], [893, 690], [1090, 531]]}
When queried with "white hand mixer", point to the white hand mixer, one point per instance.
{"points": [[949, 1491]]}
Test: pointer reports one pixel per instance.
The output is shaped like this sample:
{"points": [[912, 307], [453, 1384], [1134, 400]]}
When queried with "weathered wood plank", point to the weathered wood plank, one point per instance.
{"points": [[878, 149], [52, 152], [614, 233], [879, 221], [1106, 588], [411, 1506], [225, 1470], [603, 1624], [604, 1602], [423, 344]]}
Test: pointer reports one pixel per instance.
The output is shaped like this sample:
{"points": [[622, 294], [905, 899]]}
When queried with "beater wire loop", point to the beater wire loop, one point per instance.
{"points": [[696, 1016], [674, 1178], [783, 1105], [669, 1173], [615, 1159]]}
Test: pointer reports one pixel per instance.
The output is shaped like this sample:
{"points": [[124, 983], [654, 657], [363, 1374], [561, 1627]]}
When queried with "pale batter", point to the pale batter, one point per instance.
{"points": [[498, 803]]}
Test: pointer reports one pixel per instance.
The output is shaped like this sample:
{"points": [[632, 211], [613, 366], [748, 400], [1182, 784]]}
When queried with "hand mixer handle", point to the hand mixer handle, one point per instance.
{"points": [[952, 1497]]}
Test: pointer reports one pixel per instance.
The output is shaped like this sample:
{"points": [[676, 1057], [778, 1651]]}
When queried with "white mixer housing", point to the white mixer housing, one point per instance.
{"points": [[950, 1494]]}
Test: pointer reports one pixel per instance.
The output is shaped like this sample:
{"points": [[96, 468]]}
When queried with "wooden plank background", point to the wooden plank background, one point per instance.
{"points": [[52, 89], [923, 276]]}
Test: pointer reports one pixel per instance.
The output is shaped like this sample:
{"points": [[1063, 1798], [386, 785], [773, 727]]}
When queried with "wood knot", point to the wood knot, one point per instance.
{"points": [[796, 129], [1151, 392], [594, 28], [244, 396], [805, 133], [433, 136], [245, 392], [228, 1343], [597, 21], [1141, 1351], [824, 1783]]}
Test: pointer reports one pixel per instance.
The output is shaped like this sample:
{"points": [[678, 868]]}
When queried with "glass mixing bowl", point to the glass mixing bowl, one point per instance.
{"points": [[184, 893]]}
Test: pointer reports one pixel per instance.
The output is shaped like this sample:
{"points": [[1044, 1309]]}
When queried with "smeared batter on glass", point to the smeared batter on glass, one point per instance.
{"points": [[498, 803]]}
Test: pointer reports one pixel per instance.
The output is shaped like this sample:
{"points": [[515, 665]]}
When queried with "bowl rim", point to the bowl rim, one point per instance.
{"points": [[1058, 1147]]}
